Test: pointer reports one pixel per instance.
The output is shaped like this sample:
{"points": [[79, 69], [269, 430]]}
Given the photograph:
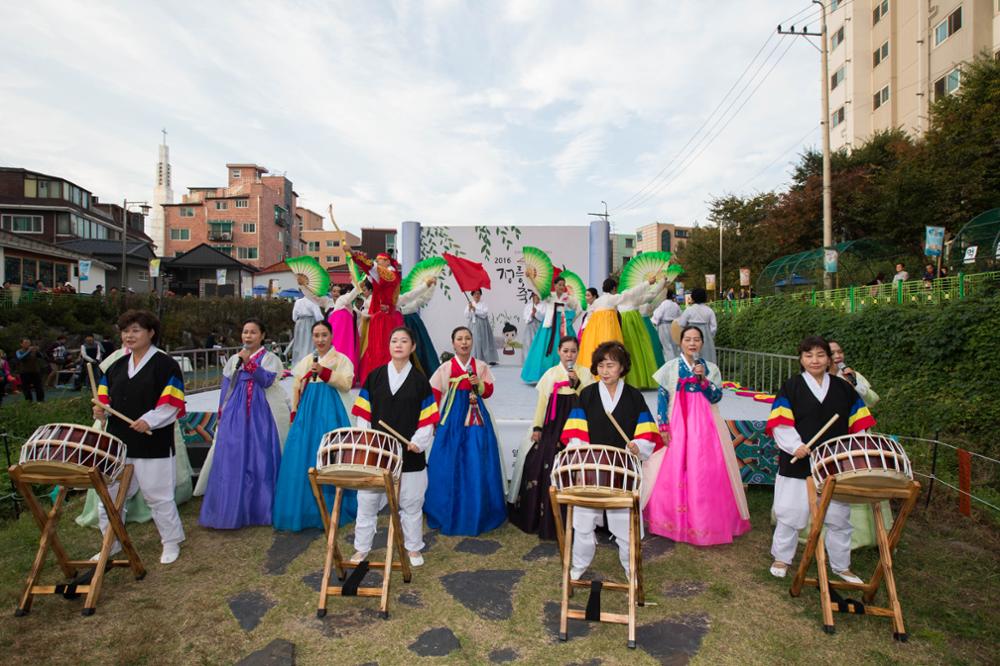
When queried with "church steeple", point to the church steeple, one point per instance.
{"points": [[162, 193]]}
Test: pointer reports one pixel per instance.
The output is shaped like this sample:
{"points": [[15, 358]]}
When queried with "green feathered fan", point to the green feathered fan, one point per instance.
{"points": [[575, 288], [538, 270], [432, 267], [310, 274], [642, 267]]}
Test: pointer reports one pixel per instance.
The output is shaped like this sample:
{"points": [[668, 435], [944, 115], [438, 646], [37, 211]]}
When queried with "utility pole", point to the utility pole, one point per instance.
{"points": [[824, 120], [604, 214]]}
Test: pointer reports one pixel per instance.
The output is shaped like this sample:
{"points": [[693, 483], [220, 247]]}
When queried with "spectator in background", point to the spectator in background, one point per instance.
{"points": [[901, 274], [68, 288], [57, 353], [929, 272], [944, 272], [98, 290], [107, 346], [91, 354], [731, 294], [30, 366], [40, 287], [6, 376], [700, 315]]}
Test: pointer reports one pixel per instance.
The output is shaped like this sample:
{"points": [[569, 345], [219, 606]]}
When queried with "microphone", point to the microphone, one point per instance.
{"points": [[239, 360], [851, 378], [315, 360]]}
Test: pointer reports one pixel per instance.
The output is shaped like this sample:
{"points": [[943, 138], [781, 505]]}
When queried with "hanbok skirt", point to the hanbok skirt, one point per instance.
{"points": [[320, 411], [484, 346], [240, 487], [602, 326], [531, 510], [345, 338], [528, 336], [426, 354], [465, 493], [640, 348], [376, 354], [654, 340], [670, 350], [693, 498], [540, 356]]}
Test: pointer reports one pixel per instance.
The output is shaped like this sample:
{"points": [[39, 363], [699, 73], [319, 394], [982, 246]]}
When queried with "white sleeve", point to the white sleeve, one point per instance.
{"points": [[658, 314], [787, 438], [575, 442], [161, 416], [423, 437], [345, 300], [645, 448]]}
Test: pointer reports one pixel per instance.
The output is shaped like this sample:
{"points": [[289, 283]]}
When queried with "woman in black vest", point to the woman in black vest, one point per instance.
{"points": [[147, 386], [804, 405]]}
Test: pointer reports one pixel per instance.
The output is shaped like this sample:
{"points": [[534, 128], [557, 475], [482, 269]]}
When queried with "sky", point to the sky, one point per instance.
{"points": [[446, 112]]}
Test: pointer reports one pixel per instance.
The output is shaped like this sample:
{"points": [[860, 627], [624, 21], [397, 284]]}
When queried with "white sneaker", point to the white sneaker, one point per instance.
{"points": [[416, 559], [849, 576], [171, 551], [575, 573], [116, 548], [779, 569], [359, 556]]}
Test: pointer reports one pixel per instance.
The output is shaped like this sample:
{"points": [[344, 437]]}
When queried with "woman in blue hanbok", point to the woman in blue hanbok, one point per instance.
{"points": [[560, 309], [321, 379]]}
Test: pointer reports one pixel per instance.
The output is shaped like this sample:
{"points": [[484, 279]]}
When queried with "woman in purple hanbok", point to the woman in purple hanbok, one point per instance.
{"points": [[247, 449]]}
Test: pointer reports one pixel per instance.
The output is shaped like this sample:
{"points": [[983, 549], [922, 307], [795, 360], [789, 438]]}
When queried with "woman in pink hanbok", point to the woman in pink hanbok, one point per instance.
{"points": [[695, 495]]}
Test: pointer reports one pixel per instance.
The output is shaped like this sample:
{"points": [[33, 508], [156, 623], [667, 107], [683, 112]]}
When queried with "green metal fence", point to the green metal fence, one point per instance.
{"points": [[856, 298]]}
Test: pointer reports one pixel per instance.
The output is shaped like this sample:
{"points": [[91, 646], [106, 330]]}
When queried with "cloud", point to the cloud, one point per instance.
{"points": [[446, 112]]}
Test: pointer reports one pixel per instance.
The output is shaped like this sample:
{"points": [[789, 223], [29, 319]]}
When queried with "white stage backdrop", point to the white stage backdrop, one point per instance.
{"points": [[498, 249]]}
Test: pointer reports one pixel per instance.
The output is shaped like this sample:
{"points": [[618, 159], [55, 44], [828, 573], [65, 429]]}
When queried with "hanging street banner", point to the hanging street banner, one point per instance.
{"points": [[934, 243], [710, 282], [154, 268], [830, 257], [970, 254], [744, 277], [83, 269]]}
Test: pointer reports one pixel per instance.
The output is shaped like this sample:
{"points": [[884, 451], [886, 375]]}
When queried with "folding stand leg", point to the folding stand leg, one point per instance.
{"points": [[404, 556], [46, 541], [894, 536], [391, 544], [330, 523], [41, 518], [885, 554], [557, 518], [567, 563], [641, 589], [116, 527], [815, 545], [633, 573]]}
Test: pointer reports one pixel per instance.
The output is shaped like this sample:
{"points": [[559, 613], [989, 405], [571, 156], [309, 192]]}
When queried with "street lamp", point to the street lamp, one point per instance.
{"points": [[144, 207]]}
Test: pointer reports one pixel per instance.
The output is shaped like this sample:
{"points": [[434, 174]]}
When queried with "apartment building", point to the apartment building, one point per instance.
{"points": [[890, 59], [661, 237], [252, 219]]}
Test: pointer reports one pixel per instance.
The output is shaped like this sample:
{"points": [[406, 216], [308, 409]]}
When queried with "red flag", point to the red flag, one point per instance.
{"points": [[469, 274]]}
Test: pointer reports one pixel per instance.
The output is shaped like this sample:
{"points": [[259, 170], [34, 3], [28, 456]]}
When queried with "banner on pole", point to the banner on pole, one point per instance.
{"points": [[970, 254], [710, 282], [220, 275], [744, 277], [934, 242], [83, 269], [154, 268], [830, 257]]}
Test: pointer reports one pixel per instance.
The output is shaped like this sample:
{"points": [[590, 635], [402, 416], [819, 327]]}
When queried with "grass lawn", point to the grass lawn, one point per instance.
{"points": [[707, 606]]}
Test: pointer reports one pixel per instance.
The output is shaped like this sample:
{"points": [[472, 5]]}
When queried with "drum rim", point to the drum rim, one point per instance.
{"points": [[632, 471]]}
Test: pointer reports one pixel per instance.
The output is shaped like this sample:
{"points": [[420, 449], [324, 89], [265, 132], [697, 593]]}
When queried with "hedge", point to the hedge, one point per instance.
{"points": [[935, 368], [187, 321]]}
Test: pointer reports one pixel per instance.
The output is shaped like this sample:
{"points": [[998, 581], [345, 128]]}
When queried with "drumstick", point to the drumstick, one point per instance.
{"points": [[395, 434], [619, 429], [822, 430], [115, 412]]}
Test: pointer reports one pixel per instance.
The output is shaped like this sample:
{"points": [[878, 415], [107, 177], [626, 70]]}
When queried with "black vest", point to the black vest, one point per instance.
{"points": [[811, 415], [136, 396], [401, 411], [626, 413]]}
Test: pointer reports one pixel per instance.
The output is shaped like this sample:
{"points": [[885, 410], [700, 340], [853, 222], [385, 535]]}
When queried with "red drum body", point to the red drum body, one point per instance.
{"points": [[864, 461], [356, 452], [596, 471], [68, 448]]}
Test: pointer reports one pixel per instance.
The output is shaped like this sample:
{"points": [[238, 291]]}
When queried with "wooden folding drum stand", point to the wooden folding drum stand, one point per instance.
{"points": [[334, 560], [886, 545], [612, 499], [68, 476]]}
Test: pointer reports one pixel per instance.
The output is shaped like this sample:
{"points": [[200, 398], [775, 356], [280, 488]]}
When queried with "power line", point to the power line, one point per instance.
{"points": [[707, 140], [797, 143]]}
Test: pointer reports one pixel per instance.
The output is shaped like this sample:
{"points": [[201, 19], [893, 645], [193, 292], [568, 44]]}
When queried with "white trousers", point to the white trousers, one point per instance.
{"points": [[411, 513], [156, 478], [585, 543], [791, 509]]}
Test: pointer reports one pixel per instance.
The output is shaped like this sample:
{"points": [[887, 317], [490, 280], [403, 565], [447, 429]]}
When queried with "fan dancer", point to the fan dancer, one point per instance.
{"points": [[384, 317], [478, 315], [320, 383], [803, 407], [646, 312], [700, 315], [409, 304], [305, 313], [638, 339], [603, 405], [544, 353], [397, 395], [663, 317], [146, 385], [603, 324], [466, 490], [696, 495], [558, 394], [531, 318], [590, 296], [246, 454]]}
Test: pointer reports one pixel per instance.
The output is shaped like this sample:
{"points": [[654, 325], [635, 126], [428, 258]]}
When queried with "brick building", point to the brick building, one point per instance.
{"points": [[374, 241], [252, 219], [659, 237], [53, 210]]}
